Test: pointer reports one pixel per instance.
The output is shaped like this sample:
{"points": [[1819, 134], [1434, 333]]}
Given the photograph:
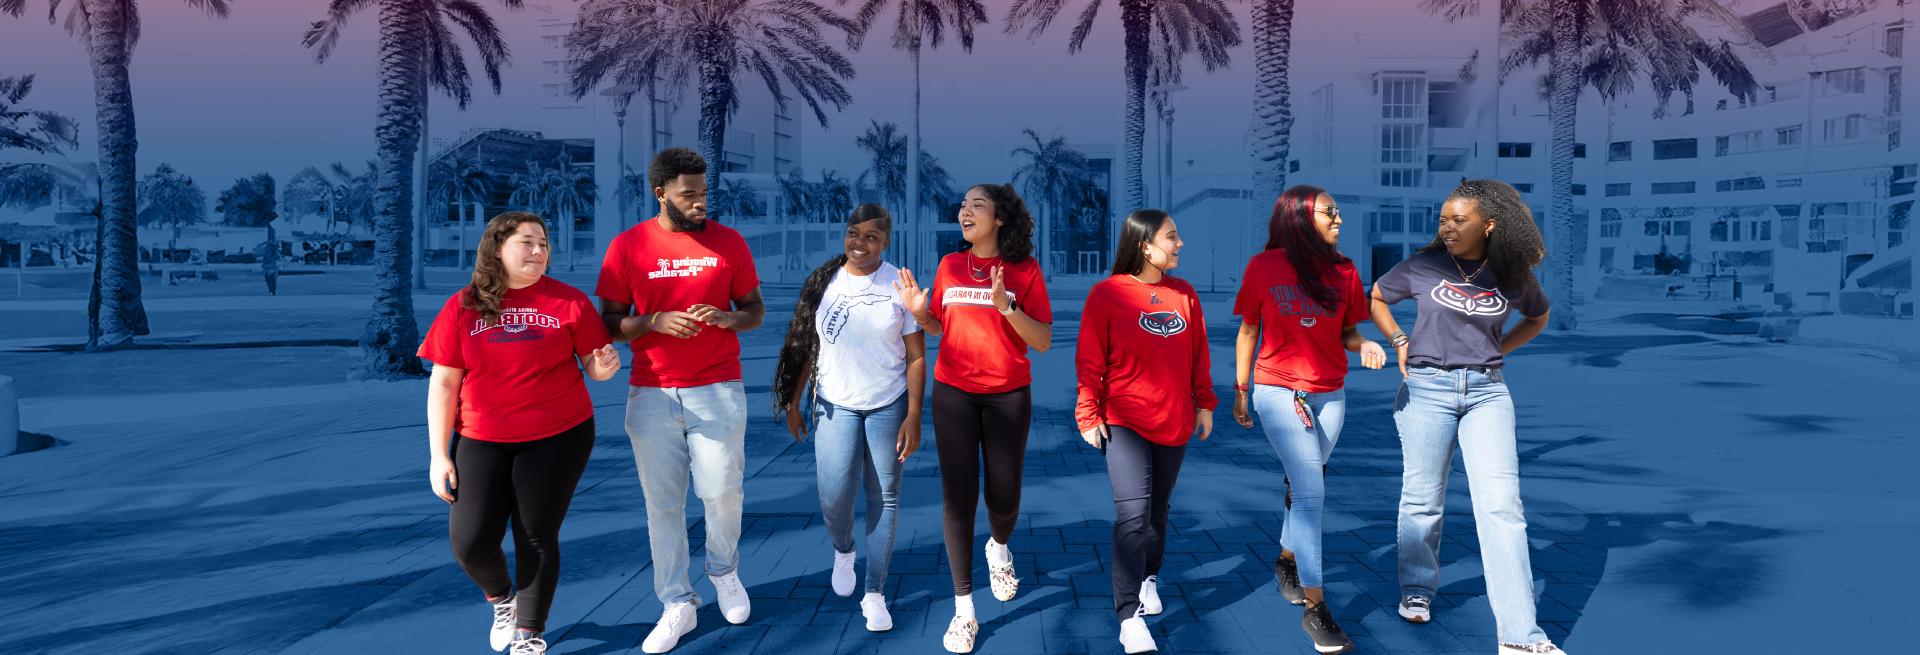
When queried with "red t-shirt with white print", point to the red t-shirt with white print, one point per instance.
{"points": [[979, 351], [1142, 359], [1300, 345], [521, 381], [658, 270]]}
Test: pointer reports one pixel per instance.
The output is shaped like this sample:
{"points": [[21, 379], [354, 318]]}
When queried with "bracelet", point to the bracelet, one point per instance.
{"points": [[1399, 339], [1242, 387]]}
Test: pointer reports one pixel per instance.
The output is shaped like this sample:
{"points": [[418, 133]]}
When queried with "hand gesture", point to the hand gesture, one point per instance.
{"points": [[909, 439], [912, 296], [1240, 414], [1203, 424], [1000, 299], [606, 359], [441, 475], [1095, 436], [1371, 356], [713, 316], [674, 324]]}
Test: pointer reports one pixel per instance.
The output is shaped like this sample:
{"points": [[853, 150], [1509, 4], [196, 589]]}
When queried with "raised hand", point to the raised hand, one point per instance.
{"points": [[1000, 299], [912, 297], [606, 359]]}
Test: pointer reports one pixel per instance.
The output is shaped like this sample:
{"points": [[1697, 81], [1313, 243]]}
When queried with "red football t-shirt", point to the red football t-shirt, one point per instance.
{"points": [[979, 351], [1142, 352], [521, 380], [659, 270], [1300, 344]]}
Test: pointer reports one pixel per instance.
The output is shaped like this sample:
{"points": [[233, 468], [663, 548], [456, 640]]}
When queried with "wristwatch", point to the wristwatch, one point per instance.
{"points": [[1012, 306]]}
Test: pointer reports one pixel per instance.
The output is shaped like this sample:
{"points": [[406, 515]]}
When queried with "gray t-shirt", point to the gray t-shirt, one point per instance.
{"points": [[1459, 323]]}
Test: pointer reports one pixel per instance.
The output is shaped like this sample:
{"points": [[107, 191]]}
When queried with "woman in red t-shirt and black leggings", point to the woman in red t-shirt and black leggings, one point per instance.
{"points": [[991, 302], [507, 351], [1299, 303]]}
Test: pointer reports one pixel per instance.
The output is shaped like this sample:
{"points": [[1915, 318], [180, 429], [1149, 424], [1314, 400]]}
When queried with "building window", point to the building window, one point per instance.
{"points": [[1668, 188], [1293, 166], [1760, 230], [555, 90], [1842, 82], [1893, 92], [1579, 151], [1446, 105], [1619, 189], [1894, 46], [1787, 137], [1845, 128], [1400, 177], [1787, 182], [1401, 97], [1676, 149], [1738, 143], [1740, 184], [1386, 220], [1609, 224], [1579, 189], [1423, 219], [1399, 148], [1523, 187], [1516, 150], [1620, 151]]}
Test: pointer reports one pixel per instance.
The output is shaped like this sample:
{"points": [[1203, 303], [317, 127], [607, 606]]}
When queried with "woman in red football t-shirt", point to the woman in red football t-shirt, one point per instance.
{"points": [[1299, 301], [1145, 390], [990, 301], [507, 352]]}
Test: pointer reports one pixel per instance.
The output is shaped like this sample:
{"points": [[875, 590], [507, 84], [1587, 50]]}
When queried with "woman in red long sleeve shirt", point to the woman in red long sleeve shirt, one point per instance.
{"points": [[1143, 344]]}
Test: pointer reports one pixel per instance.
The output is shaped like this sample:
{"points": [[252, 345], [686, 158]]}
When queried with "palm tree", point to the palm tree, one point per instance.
{"points": [[109, 29], [1607, 45], [933, 18], [28, 187], [557, 190], [1052, 175], [458, 180], [886, 171], [169, 198], [41, 131], [680, 42], [1210, 20], [417, 50], [1272, 97], [1177, 34], [936, 185], [832, 197], [736, 199]]}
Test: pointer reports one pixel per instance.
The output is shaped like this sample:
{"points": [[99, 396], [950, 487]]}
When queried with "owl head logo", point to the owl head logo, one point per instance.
{"points": [[1469, 299], [1165, 324]]}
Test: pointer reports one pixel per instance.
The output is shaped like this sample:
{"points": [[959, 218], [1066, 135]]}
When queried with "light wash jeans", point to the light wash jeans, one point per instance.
{"points": [[858, 446], [1304, 454], [1436, 408], [697, 430]]}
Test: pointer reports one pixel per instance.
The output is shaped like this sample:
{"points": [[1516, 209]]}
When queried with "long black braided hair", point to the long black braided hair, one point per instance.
{"points": [[802, 347]]}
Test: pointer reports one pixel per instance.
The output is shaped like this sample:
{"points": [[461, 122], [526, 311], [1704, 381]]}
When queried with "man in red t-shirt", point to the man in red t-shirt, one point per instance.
{"points": [[679, 289]]}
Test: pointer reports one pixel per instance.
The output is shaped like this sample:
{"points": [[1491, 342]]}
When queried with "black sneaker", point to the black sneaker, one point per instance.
{"points": [[1327, 636], [1286, 575]]}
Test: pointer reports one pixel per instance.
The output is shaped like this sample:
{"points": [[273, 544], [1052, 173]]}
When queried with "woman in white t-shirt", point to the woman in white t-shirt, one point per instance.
{"points": [[854, 340]]}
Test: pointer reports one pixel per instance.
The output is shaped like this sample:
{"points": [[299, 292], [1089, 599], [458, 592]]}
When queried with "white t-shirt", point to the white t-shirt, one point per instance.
{"points": [[863, 359]]}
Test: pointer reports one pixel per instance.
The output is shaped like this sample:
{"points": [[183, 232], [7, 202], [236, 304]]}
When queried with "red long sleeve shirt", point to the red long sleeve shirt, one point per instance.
{"points": [[1142, 358]]}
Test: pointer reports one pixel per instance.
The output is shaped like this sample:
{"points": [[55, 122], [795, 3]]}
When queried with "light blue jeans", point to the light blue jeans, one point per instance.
{"points": [[853, 446], [697, 430], [1304, 454], [1435, 409]]}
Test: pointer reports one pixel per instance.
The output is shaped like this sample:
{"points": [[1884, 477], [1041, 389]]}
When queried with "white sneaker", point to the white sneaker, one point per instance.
{"points": [[675, 622], [1150, 595], [532, 646], [960, 634], [874, 606], [733, 598], [1542, 648], [843, 577], [501, 635], [1134, 636], [1416, 608]]}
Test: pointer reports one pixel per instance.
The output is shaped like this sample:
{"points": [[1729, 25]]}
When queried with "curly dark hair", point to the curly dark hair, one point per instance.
{"points": [[672, 163], [802, 347], [1514, 247], [489, 283], [1016, 229], [1313, 260]]}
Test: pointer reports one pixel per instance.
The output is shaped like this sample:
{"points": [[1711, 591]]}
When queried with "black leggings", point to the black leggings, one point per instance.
{"points": [[531, 482], [975, 433], [1142, 474]]}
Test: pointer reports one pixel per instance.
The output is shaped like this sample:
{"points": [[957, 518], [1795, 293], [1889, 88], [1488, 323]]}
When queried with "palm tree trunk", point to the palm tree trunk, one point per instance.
{"points": [[913, 156], [1272, 99], [122, 316], [1486, 109], [420, 223], [392, 335], [714, 82], [1136, 18], [1563, 103]]}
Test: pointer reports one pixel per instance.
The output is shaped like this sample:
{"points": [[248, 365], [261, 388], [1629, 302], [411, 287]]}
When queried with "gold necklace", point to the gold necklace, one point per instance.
{"points": [[1464, 278], [1153, 292]]}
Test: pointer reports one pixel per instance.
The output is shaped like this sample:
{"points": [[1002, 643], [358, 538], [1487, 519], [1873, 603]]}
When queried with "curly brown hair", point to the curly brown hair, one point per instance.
{"points": [[489, 273]]}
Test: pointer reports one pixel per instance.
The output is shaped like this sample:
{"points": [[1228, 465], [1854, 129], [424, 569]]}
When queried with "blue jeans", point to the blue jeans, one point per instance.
{"points": [[1304, 454], [859, 445], [676, 432], [1436, 408]]}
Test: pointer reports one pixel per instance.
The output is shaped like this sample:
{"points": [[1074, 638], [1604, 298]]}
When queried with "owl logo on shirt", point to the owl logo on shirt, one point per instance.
{"points": [[1165, 324], [1469, 299]]}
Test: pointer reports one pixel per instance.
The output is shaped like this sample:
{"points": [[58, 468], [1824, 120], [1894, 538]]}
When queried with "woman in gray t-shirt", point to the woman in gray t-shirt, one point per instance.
{"points": [[1477, 273]]}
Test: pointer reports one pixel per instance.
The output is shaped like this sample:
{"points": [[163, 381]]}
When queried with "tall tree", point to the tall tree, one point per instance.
{"points": [[558, 191], [1053, 174], [1272, 96], [37, 130], [109, 29], [249, 202], [886, 170], [459, 180], [30, 186], [707, 43], [171, 199], [416, 50]]}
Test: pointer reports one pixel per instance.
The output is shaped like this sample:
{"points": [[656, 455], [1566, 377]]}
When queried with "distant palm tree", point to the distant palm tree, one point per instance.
{"points": [[708, 42], [832, 197], [41, 131], [937, 190], [357, 194], [1177, 33], [932, 18], [886, 172], [558, 191], [169, 198], [416, 50], [796, 196], [1607, 45], [28, 187], [459, 180], [1208, 20], [109, 29], [1053, 176], [736, 200], [1272, 95]]}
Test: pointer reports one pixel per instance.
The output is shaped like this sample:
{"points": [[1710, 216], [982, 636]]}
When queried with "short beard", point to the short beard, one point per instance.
{"points": [[680, 221]]}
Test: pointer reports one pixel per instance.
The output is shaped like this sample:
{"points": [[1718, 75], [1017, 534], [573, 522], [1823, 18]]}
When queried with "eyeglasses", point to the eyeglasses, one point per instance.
{"points": [[1330, 212]]}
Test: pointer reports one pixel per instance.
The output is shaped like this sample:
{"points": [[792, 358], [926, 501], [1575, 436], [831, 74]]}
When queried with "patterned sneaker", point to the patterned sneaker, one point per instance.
{"points": [[1541, 648], [1286, 575], [501, 635], [1327, 636], [529, 646], [1416, 608], [1150, 595], [1000, 575], [960, 633]]}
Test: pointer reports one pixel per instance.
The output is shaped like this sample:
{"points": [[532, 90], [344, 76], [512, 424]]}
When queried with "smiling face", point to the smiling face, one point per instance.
{"points": [[977, 222], [1163, 250], [1464, 228], [1326, 219], [866, 242], [523, 256]]}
